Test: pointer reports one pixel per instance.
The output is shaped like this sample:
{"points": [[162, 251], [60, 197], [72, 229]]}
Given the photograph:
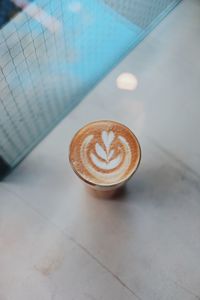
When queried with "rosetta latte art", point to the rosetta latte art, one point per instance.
{"points": [[108, 159], [104, 154]]}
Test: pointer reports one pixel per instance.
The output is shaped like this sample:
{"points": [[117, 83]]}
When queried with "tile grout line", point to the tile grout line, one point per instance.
{"points": [[103, 266], [72, 240], [173, 157], [185, 289]]}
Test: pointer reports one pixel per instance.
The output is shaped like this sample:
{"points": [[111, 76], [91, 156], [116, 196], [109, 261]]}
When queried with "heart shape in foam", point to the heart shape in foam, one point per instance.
{"points": [[107, 138]]}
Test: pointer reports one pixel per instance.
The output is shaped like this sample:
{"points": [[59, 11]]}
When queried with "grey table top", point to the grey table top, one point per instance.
{"points": [[59, 242]]}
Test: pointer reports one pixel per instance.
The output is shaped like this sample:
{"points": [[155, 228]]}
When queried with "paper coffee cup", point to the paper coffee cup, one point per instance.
{"points": [[104, 154]]}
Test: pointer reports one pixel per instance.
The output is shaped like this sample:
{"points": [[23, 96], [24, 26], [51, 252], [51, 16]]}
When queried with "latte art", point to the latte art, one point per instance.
{"points": [[104, 159], [104, 153]]}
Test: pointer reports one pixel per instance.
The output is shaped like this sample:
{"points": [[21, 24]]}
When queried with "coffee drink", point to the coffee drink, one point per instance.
{"points": [[104, 154]]}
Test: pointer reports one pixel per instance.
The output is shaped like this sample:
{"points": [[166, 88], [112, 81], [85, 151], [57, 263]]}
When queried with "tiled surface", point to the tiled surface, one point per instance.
{"points": [[39, 262], [141, 12], [66, 39], [59, 242]]}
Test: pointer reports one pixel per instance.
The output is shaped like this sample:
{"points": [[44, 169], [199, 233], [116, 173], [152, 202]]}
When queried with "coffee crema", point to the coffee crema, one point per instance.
{"points": [[104, 153]]}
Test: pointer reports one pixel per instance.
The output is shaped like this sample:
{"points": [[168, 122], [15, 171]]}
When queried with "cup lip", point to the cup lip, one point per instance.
{"points": [[110, 185]]}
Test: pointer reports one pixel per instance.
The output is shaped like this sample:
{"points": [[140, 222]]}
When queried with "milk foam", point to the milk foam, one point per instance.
{"points": [[101, 162], [105, 153]]}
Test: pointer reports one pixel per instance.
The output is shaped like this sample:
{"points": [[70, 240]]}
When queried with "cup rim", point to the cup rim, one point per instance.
{"points": [[110, 185]]}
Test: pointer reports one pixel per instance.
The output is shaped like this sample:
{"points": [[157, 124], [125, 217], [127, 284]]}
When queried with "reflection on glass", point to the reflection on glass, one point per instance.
{"points": [[75, 6], [127, 81], [37, 13]]}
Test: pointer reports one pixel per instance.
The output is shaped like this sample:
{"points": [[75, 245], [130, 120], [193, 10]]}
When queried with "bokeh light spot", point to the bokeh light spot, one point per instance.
{"points": [[127, 81]]}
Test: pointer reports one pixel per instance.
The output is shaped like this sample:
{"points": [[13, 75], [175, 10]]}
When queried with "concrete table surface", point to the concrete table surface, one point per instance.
{"points": [[59, 242]]}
